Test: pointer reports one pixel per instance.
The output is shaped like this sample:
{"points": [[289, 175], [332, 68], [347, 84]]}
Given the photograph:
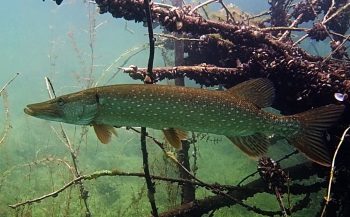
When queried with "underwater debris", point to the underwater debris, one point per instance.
{"points": [[271, 172], [203, 206], [275, 178], [339, 49], [302, 80]]}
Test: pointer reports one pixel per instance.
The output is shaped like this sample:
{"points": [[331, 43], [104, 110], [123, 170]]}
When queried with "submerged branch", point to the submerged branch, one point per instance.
{"points": [[331, 177], [241, 193], [203, 206], [148, 80], [9, 82], [149, 183], [253, 53], [103, 173], [203, 74]]}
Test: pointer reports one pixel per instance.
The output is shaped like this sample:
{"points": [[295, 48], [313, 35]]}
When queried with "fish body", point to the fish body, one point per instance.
{"points": [[189, 109], [235, 113]]}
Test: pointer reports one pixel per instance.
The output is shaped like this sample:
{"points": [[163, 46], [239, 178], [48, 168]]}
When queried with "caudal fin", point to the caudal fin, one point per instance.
{"points": [[310, 140]]}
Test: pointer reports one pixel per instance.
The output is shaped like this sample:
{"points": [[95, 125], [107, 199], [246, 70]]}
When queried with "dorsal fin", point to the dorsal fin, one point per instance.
{"points": [[174, 137], [258, 91], [254, 145], [104, 132]]}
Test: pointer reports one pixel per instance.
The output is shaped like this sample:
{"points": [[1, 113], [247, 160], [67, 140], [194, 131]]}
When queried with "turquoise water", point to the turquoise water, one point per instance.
{"points": [[41, 39]]}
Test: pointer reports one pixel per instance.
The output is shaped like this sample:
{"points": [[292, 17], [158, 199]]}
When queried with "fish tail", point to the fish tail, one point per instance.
{"points": [[310, 138]]}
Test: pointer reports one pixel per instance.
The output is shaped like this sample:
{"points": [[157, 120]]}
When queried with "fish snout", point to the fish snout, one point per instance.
{"points": [[42, 110], [29, 111]]}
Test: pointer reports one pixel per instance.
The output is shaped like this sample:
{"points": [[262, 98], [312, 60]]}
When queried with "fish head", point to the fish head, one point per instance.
{"points": [[76, 108]]}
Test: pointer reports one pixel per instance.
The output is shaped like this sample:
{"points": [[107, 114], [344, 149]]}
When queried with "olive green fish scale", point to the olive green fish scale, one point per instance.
{"points": [[192, 109]]}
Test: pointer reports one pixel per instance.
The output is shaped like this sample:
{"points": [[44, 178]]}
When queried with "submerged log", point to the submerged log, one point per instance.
{"points": [[302, 80]]}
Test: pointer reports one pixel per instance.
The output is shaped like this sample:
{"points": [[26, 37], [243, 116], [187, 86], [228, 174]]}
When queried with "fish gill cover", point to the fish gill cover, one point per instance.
{"points": [[299, 46]]}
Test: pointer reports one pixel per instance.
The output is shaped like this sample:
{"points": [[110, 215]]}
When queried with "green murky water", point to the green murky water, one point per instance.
{"points": [[41, 39]]}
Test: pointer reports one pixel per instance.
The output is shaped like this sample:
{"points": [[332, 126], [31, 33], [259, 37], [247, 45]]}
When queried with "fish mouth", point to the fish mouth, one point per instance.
{"points": [[42, 110], [29, 111]]}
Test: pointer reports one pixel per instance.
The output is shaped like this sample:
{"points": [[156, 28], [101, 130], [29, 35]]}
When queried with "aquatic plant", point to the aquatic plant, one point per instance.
{"points": [[7, 122]]}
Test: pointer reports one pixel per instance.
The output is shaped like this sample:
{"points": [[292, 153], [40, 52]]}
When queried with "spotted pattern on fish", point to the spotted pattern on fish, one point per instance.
{"points": [[191, 109], [235, 113]]}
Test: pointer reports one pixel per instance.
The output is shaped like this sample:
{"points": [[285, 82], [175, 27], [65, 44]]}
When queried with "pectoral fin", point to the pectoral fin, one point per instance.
{"points": [[104, 132], [174, 137], [254, 145]]}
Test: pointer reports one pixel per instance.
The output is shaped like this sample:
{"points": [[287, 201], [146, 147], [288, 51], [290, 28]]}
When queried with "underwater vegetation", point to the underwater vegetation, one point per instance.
{"points": [[259, 60]]}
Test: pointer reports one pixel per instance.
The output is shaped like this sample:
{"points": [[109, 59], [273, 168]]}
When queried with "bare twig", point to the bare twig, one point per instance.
{"points": [[340, 10], [201, 5], [286, 28], [228, 13], [115, 172], [176, 38], [126, 28], [9, 82], [127, 55], [49, 88], [301, 39], [328, 12], [295, 23], [163, 5], [65, 139], [280, 202], [336, 49], [258, 15], [331, 177]]}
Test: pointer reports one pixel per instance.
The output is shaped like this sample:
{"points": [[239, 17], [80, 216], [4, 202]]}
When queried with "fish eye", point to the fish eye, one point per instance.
{"points": [[60, 101]]}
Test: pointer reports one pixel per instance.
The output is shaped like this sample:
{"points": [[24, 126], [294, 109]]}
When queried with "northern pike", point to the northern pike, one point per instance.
{"points": [[235, 113]]}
